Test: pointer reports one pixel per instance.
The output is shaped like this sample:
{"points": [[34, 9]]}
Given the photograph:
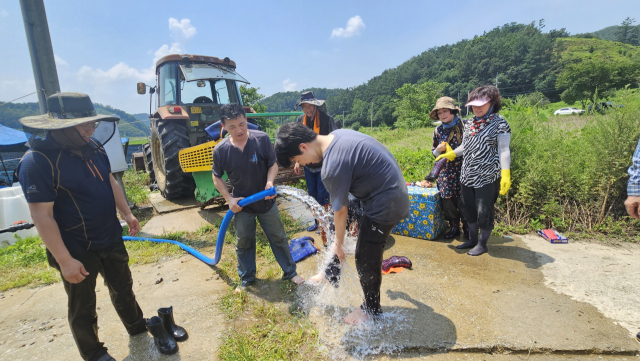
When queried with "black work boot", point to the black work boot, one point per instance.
{"points": [[106, 357], [465, 229], [454, 231], [472, 240], [481, 247], [165, 343], [177, 332]]}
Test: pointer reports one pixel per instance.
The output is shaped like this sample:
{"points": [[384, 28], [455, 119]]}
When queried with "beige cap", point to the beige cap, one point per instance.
{"points": [[443, 103]]}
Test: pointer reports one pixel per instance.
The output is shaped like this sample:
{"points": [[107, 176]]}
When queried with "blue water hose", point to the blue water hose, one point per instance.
{"points": [[221, 233]]}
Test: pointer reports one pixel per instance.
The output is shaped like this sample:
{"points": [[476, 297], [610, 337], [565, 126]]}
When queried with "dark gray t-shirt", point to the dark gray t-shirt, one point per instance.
{"points": [[247, 169], [358, 164]]}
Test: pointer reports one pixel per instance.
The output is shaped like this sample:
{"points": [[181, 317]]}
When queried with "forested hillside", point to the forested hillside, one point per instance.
{"points": [[285, 101], [129, 126], [522, 58]]}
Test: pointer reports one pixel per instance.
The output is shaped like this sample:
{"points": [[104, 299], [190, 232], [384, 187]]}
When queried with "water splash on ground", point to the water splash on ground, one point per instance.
{"points": [[332, 304]]}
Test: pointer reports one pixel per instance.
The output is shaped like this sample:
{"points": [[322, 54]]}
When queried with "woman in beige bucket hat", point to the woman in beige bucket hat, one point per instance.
{"points": [[449, 133]]}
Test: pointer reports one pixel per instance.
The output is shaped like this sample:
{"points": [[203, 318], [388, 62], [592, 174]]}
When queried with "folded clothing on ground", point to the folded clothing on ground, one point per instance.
{"points": [[392, 263], [302, 248]]}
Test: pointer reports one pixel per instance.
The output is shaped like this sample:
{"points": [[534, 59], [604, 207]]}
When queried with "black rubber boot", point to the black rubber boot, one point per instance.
{"points": [[481, 247], [177, 332], [454, 231], [472, 240], [465, 230], [165, 343]]}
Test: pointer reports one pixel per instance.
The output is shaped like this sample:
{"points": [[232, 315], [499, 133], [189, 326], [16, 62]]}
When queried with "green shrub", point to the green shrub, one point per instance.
{"points": [[136, 184], [570, 175]]}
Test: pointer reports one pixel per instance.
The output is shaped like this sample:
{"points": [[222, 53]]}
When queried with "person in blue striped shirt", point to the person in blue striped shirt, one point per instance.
{"points": [[633, 187], [633, 190]]}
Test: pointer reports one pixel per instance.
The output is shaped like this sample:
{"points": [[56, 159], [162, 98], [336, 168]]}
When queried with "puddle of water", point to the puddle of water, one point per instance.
{"points": [[332, 304]]}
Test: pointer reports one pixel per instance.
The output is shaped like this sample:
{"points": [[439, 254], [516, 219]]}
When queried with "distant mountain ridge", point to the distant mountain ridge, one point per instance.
{"points": [[286, 101], [129, 126], [610, 32], [522, 57]]}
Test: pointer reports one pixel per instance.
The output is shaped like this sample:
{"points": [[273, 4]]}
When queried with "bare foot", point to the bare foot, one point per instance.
{"points": [[356, 317], [297, 279], [317, 279]]}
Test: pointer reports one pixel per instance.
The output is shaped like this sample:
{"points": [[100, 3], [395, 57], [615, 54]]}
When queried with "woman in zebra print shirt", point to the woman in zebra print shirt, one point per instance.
{"points": [[485, 167]]}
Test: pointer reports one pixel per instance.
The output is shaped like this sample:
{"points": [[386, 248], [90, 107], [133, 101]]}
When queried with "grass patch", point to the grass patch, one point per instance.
{"points": [[136, 184], [279, 336], [138, 140], [24, 263], [144, 252], [233, 303]]}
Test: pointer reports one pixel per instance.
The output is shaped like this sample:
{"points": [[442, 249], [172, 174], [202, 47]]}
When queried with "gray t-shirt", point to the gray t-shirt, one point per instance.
{"points": [[247, 169], [358, 164]]}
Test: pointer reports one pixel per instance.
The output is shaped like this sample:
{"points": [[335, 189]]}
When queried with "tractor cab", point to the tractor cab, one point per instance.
{"points": [[190, 90]]}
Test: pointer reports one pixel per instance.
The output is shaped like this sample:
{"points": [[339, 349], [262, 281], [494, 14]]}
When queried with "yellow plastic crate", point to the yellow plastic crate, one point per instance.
{"points": [[198, 158]]}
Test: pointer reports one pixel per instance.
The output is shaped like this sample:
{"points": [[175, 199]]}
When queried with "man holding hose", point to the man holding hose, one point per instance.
{"points": [[250, 163]]}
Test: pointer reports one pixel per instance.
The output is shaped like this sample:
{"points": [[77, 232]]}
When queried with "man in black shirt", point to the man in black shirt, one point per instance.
{"points": [[250, 163], [66, 179]]}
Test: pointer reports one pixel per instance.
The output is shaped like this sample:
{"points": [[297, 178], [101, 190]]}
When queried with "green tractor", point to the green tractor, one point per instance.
{"points": [[190, 90]]}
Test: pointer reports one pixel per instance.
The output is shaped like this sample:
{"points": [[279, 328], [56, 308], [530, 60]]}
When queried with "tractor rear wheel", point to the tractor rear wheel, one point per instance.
{"points": [[167, 138]]}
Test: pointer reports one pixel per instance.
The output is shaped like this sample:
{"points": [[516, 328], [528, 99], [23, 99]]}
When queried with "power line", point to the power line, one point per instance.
{"points": [[24, 96]]}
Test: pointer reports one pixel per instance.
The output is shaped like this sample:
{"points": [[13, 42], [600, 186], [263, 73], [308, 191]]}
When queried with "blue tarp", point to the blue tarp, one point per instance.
{"points": [[124, 140], [12, 140]]}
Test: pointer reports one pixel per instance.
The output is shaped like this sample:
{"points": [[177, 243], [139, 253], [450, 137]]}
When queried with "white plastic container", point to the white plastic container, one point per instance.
{"points": [[14, 208]]}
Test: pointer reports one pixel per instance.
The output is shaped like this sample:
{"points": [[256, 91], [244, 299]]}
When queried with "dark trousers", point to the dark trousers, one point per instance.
{"points": [[372, 237], [113, 264], [452, 209], [478, 204], [316, 188]]}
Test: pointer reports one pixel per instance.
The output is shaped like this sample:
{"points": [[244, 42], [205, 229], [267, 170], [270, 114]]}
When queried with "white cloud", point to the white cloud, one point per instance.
{"points": [[183, 26], [354, 26], [122, 71], [164, 50], [119, 71], [14, 88], [288, 85], [60, 61]]}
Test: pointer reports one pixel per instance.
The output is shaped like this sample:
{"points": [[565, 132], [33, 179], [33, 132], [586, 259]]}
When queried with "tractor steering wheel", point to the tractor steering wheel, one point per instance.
{"points": [[202, 99]]}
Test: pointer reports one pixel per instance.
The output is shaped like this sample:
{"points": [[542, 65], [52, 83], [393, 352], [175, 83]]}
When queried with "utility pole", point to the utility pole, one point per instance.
{"points": [[343, 119], [41, 50], [372, 114], [468, 92], [497, 82]]}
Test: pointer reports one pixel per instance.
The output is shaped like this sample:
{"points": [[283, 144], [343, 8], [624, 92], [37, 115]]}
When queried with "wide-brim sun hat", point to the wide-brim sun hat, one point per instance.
{"points": [[66, 110], [443, 103], [478, 102], [308, 98]]}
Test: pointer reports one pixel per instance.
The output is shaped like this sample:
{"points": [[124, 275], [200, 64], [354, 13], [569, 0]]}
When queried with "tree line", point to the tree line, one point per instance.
{"points": [[519, 58]]}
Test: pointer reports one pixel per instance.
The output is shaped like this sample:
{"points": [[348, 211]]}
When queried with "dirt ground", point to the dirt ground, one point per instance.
{"points": [[606, 277], [525, 300]]}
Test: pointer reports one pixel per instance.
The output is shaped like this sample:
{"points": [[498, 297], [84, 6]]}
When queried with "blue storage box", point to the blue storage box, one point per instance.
{"points": [[426, 220]]}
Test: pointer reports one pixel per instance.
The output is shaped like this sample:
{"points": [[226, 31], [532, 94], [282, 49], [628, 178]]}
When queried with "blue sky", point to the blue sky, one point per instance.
{"points": [[104, 47]]}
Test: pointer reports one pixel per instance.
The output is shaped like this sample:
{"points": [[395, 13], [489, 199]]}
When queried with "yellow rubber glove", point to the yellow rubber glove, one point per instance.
{"points": [[449, 154], [505, 182]]}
